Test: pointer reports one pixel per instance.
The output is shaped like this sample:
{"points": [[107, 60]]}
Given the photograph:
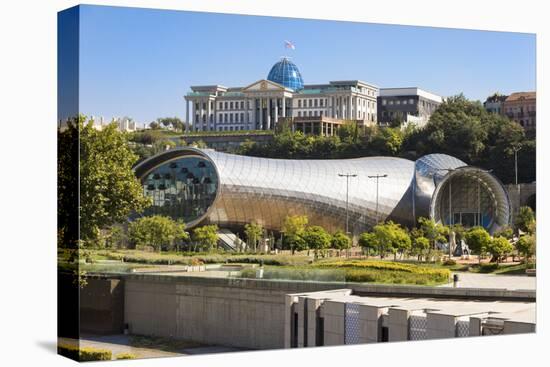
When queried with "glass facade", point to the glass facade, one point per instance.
{"points": [[287, 74], [183, 188]]}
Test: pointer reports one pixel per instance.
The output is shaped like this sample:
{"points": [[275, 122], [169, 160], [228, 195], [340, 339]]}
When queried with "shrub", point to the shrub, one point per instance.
{"points": [[125, 356], [356, 271], [449, 262], [84, 354]]}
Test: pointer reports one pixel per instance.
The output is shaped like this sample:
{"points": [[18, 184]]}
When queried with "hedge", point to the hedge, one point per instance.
{"points": [[154, 258], [363, 274], [383, 265], [84, 354]]}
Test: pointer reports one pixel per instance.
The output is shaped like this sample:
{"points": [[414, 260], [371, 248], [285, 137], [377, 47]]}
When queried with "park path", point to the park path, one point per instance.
{"points": [[510, 282]]}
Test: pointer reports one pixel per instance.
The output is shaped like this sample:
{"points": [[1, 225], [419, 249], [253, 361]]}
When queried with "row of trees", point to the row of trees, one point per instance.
{"points": [[164, 233], [296, 235], [420, 241], [459, 127]]}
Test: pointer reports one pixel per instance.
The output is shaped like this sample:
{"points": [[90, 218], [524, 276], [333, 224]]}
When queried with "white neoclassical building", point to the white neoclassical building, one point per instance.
{"points": [[262, 104]]}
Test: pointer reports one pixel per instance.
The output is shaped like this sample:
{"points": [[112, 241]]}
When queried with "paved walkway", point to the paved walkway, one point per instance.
{"points": [[120, 343], [511, 282]]}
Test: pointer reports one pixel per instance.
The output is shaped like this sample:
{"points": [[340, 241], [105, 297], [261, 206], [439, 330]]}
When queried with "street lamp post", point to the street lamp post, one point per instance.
{"points": [[347, 176], [377, 177]]}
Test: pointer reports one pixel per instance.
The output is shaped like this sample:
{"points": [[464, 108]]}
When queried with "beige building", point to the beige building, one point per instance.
{"points": [[521, 107], [264, 103]]}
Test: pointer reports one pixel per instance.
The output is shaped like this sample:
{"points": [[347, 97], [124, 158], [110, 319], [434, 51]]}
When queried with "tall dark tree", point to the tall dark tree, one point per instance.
{"points": [[109, 189]]}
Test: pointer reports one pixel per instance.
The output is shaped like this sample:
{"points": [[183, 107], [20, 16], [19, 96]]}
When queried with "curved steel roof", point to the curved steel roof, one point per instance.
{"points": [[267, 190]]}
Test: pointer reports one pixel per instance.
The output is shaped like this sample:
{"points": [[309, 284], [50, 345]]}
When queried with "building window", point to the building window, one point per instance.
{"points": [[221, 106], [309, 113], [226, 104], [242, 117], [299, 103], [299, 113], [310, 102], [321, 102], [391, 102], [405, 102], [230, 105], [411, 101], [316, 102], [384, 102]]}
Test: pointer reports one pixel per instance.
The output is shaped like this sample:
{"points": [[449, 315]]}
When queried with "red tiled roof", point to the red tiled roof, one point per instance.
{"points": [[521, 95]]}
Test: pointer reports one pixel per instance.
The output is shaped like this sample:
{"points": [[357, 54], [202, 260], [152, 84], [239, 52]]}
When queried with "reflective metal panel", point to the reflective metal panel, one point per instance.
{"points": [[268, 190]]}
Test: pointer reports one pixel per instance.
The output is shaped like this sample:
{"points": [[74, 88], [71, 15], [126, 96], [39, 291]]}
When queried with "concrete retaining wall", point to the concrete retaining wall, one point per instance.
{"points": [[251, 313]]}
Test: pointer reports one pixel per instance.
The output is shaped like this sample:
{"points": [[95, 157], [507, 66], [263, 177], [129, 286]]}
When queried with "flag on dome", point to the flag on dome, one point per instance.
{"points": [[290, 45]]}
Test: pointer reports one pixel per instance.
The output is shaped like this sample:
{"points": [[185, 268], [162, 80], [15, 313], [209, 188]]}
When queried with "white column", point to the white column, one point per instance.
{"points": [[214, 110], [246, 113], [349, 107], [208, 112], [201, 113], [276, 119], [260, 115], [187, 115], [284, 106], [268, 113], [194, 115]]}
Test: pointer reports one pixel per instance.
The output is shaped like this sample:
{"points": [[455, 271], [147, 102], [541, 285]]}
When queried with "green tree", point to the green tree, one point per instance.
{"points": [[368, 241], [200, 144], [109, 189], [433, 231], [157, 231], [253, 232], [391, 237], [175, 122], [478, 240], [205, 237], [388, 141], [499, 247], [317, 239], [293, 229], [164, 144], [526, 245], [420, 247], [340, 241], [506, 232], [525, 220]]}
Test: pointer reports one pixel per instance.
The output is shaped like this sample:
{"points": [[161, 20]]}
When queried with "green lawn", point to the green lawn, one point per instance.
{"points": [[359, 271]]}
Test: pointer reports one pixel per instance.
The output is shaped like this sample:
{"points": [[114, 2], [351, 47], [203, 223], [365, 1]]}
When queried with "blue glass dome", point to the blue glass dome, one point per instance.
{"points": [[286, 73]]}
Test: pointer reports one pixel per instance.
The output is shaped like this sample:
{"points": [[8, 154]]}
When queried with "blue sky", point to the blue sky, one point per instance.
{"points": [[141, 62]]}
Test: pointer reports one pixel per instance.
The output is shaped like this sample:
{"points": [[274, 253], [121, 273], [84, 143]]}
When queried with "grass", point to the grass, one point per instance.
{"points": [[84, 354], [126, 356], [360, 271], [502, 269], [161, 343]]}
